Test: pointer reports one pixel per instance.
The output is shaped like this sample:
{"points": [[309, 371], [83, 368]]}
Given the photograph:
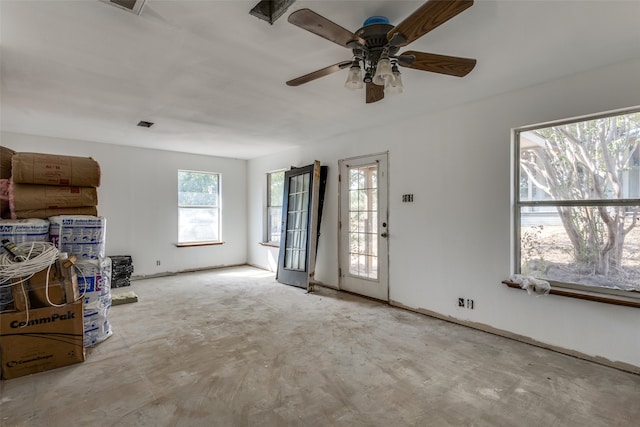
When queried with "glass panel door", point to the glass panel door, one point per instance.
{"points": [[363, 224], [363, 221], [302, 205]]}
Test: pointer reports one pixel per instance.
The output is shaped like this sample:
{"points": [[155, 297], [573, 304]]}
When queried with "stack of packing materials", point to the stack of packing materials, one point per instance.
{"points": [[121, 270], [44, 185], [83, 236]]}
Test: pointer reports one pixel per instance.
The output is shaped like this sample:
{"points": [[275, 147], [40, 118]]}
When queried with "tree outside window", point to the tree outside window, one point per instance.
{"points": [[578, 204], [198, 207]]}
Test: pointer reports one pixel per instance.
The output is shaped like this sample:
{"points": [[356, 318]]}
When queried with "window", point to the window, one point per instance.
{"points": [[577, 206], [275, 186], [198, 207]]}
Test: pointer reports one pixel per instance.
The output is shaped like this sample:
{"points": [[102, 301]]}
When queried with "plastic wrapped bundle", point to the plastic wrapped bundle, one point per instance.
{"points": [[94, 281], [24, 230], [79, 235]]}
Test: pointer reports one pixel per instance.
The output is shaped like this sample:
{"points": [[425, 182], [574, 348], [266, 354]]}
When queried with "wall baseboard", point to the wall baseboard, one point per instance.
{"points": [[524, 339], [190, 270]]}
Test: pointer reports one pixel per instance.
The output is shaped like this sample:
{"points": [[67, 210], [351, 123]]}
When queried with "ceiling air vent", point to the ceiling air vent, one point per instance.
{"points": [[270, 10], [134, 6]]}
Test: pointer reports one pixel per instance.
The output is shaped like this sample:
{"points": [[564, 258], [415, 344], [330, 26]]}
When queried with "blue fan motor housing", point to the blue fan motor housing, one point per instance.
{"points": [[376, 20]]}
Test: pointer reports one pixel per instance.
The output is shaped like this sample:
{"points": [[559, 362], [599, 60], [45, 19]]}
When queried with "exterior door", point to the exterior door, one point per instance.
{"points": [[364, 247]]}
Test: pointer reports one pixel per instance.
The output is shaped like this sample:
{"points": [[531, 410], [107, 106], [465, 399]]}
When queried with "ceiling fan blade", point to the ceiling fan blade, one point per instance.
{"points": [[319, 73], [321, 26], [374, 93], [443, 64], [427, 17]]}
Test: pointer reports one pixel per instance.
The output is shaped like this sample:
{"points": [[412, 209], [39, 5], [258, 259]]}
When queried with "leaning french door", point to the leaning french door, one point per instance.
{"points": [[363, 246], [302, 204]]}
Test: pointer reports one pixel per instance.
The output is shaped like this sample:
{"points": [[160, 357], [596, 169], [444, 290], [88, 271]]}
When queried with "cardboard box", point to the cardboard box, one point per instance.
{"points": [[50, 338], [62, 287], [50, 169], [32, 196]]}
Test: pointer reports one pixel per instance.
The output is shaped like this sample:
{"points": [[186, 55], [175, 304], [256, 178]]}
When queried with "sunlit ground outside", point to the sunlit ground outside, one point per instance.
{"points": [[546, 252]]}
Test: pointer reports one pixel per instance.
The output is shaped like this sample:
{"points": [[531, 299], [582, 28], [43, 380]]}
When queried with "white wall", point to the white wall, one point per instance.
{"points": [[138, 197], [454, 240]]}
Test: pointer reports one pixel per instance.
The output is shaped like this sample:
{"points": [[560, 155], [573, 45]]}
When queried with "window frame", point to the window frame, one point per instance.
{"points": [[267, 213], [217, 207], [565, 288]]}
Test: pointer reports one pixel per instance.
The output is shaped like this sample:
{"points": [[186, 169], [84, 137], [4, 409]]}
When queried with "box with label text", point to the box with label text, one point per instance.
{"points": [[41, 339]]}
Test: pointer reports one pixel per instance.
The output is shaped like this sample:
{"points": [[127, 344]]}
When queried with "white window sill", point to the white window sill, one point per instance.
{"points": [[271, 245], [192, 244], [590, 296]]}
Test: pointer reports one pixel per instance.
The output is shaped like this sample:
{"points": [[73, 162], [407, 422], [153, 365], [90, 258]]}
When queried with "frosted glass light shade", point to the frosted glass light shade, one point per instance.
{"points": [[354, 78], [394, 84], [383, 71]]}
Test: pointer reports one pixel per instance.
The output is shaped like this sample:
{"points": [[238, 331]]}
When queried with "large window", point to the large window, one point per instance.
{"points": [[275, 186], [198, 207], [577, 204]]}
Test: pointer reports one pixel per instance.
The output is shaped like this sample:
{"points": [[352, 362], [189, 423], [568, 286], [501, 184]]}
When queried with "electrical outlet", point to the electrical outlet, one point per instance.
{"points": [[158, 262], [470, 304], [461, 302]]}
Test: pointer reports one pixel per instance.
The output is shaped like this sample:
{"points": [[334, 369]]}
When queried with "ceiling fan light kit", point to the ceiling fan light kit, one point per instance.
{"points": [[375, 47]]}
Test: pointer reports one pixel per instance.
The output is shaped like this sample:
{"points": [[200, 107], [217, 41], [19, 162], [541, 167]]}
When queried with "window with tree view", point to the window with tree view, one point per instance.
{"points": [[578, 205], [198, 207], [275, 187]]}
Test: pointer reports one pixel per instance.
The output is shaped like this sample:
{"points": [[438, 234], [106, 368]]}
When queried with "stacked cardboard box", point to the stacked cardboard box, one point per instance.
{"points": [[43, 329], [49, 338], [44, 185], [121, 270]]}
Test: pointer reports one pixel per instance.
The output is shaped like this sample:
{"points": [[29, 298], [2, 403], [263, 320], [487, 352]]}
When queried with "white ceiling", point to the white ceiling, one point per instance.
{"points": [[212, 77]]}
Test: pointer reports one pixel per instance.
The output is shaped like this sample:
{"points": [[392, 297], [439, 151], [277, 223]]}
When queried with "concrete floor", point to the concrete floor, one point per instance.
{"points": [[234, 348]]}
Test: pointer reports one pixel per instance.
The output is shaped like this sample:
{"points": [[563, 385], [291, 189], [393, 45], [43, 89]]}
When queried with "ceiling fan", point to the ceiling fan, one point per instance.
{"points": [[376, 47]]}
